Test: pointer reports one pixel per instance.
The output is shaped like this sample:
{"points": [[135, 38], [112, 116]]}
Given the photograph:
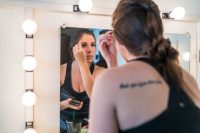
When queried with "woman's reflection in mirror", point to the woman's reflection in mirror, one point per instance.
{"points": [[77, 78]]}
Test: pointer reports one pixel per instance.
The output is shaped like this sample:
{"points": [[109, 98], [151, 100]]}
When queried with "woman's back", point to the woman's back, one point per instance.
{"points": [[151, 95], [145, 89], [142, 101]]}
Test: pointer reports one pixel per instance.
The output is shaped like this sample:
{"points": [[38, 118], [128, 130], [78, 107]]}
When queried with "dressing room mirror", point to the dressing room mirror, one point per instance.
{"points": [[72, 87], [181, 42]]}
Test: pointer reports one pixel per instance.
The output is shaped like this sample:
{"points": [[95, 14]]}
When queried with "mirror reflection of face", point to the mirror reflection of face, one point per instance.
{"points": [[88, 44]]}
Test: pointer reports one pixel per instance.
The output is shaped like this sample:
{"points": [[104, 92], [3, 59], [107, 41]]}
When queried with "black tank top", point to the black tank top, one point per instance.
{"points": [[181, 116], [68, 91]]}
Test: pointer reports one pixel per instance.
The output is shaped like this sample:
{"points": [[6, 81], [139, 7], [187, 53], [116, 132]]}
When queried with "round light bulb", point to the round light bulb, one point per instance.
{"points": [[186, 56], [29, 63], [85, 5], [178, 13], [29, 98], [29, 27], [30, 130]]}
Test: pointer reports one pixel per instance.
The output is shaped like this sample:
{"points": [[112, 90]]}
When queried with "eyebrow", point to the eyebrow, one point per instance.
{"points": [[86, 42]]}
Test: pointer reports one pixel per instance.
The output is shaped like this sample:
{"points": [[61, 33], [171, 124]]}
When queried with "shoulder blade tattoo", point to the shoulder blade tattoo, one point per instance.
{"points": [[139, 84]]}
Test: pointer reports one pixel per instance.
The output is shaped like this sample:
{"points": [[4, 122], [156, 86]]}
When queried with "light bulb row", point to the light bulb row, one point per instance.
{"points": [[29, 63]]}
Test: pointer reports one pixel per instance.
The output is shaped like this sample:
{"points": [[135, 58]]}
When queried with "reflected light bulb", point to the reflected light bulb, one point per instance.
{"points": [[186, 56], [30, 130], [85, 5], [29, 27], [29, 98], [178, 13], [29, 63]]}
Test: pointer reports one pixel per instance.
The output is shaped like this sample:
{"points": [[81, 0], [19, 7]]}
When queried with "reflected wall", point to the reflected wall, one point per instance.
{"points": [[181, 42]]}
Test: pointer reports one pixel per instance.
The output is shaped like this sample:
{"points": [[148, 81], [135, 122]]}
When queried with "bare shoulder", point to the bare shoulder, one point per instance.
{"points": [[189, 79], [107, 82], [63, 66], [103, 89], [97, 71], [63, 69], [187, 75], [105, 78], [192, 87]]}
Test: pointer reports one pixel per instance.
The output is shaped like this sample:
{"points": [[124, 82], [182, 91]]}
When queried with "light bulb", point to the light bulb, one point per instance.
{"points": [[29, 98], [29, 63], [178, 13], [30, 130], [186, 56], [85, 5], [29, 27]]}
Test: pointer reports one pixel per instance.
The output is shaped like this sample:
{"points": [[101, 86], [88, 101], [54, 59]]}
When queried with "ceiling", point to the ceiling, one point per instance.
{"points": [[192, 7]]}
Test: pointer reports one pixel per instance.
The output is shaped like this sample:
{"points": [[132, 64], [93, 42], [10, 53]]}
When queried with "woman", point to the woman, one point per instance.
{"points": [[77, 78], [151, 93]]}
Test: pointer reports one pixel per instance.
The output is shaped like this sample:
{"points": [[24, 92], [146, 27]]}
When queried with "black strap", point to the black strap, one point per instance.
{"points": [[92, 68]]}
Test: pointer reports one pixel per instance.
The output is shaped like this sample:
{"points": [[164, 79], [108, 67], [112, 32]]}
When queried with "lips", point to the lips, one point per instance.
{"points": [[89, 56]]}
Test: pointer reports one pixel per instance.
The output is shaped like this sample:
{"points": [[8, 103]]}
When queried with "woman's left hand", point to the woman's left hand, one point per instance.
{"points": [[79, 54], [108, 49]]}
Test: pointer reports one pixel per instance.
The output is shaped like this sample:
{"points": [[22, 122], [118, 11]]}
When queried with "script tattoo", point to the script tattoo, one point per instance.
{"points": [[140, 84]]}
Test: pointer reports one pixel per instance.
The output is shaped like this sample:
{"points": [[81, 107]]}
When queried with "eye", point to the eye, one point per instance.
{"points": [[83, 45], [93, 45]]}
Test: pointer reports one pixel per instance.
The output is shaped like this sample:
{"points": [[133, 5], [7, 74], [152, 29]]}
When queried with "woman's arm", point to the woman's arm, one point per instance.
{"points": [[87, 77], [193, 90], [107, 48], [103, 117]]}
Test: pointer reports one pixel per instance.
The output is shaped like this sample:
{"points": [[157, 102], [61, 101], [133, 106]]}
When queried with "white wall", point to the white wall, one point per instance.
{"points": [[180, 27], [11, 73], [47, 52], [198, 53]]}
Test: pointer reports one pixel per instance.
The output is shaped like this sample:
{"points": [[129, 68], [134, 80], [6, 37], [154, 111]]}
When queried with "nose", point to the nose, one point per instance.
{"points": [[88, 49]]}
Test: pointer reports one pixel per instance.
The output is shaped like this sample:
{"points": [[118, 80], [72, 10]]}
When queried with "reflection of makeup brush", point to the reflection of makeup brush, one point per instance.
{"points": [[86, 119]]}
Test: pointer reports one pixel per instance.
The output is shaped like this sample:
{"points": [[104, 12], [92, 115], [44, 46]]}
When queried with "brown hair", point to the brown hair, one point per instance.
{"points": [[138, 26]]}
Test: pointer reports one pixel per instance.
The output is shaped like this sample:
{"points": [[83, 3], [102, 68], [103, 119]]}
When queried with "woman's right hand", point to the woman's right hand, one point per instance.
{"points": [[107, 48], [79, 54], [66, 104]]}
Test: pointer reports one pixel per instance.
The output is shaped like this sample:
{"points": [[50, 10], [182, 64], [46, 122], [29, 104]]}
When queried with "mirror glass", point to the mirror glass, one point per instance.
{"points": [[181, 42], [71, 81]]}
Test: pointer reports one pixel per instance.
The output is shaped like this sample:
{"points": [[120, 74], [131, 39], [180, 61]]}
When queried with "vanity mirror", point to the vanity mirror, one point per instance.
{"points": [[182, 43], [77, 73]]}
